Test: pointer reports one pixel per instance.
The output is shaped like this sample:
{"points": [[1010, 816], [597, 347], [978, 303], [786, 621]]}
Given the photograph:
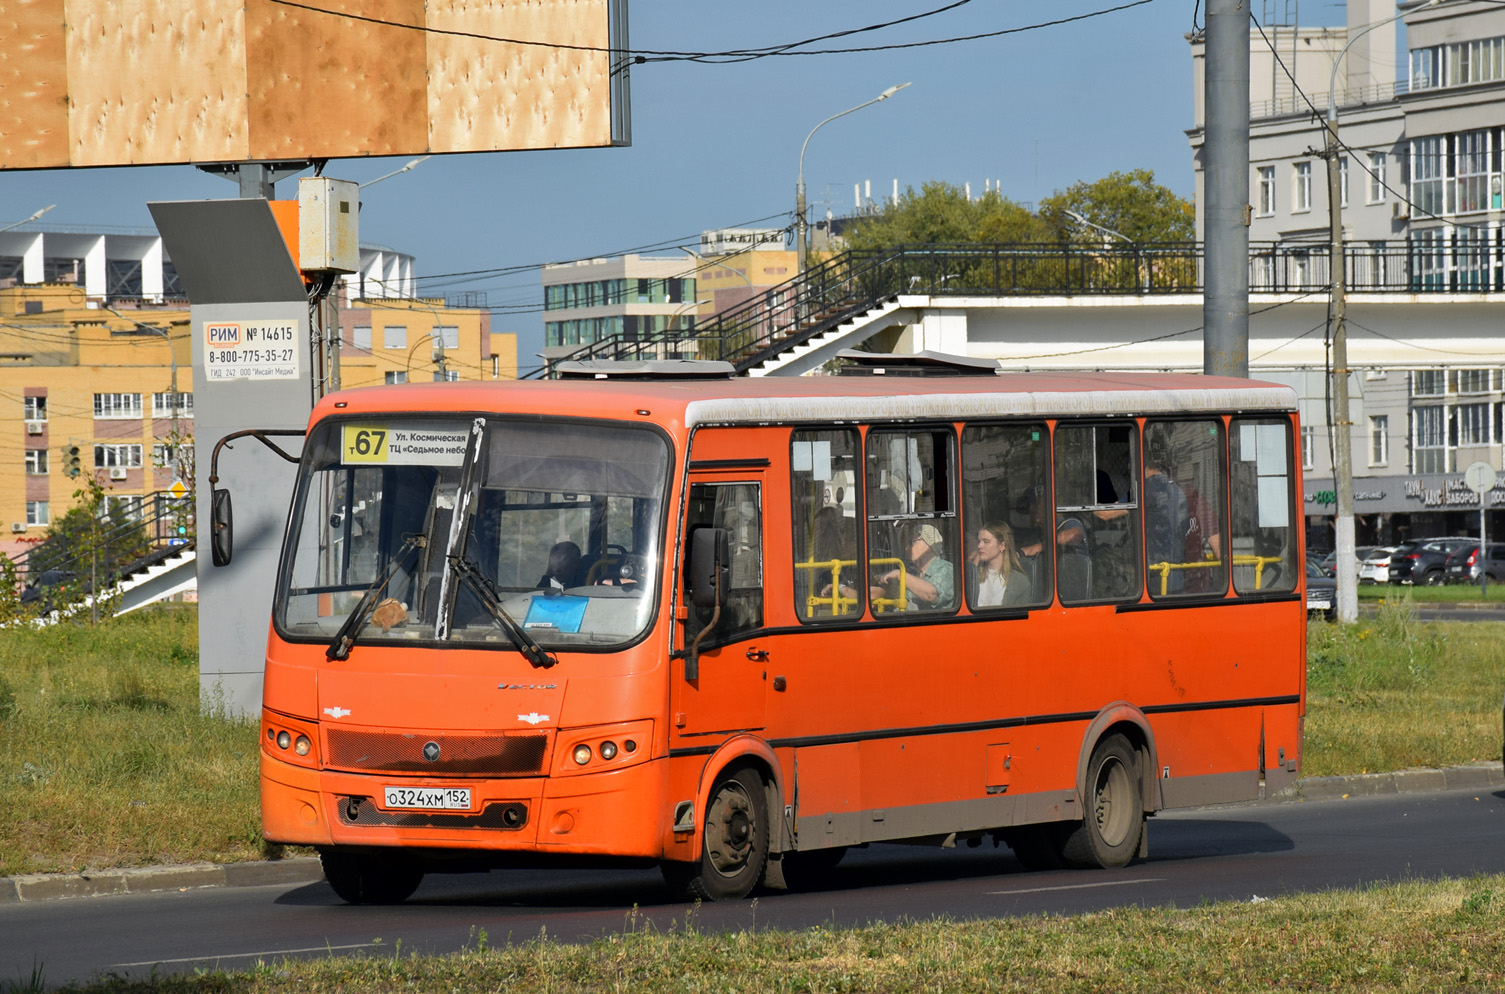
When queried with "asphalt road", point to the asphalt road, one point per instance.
{"points": [[1231, 853]]}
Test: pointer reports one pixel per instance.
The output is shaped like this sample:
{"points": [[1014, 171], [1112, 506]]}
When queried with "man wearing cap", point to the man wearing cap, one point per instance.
{"points": [[931, 586]]}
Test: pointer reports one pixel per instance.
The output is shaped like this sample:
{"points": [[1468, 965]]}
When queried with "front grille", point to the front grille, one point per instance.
{"points": [[498, 754]]}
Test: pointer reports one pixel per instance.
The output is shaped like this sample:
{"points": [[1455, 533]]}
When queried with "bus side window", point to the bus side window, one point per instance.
{"points": [[913, 539], [1263, 528], [1097, 513], [1004, 487], [735, 507], [1183, 508], [823, 473]]}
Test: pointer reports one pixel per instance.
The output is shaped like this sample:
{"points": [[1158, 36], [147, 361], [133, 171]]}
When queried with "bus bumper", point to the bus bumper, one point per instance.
{"points": [[614, 813]]}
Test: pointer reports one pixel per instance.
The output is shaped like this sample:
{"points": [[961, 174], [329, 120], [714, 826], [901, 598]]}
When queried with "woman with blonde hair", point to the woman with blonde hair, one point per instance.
{"points": [[1001, 578]]}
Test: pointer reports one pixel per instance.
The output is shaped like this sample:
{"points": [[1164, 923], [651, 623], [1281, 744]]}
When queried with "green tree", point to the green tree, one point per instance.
{"points": [[1131, 203], [942, 212]]}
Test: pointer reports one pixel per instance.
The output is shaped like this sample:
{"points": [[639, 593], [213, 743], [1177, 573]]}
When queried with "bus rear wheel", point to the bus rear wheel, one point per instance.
{"points": [[1114, 823], [734, 850], [364, 879]]}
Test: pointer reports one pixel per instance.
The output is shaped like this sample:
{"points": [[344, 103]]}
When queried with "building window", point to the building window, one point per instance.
{"points": [[449, 335], [36, 513], [1428, 440], [34, 409], [130, 507], [394, 336], [163, 407], [1471, 380], [448, 376], [397, 376], [1343, 181], [1379, 440], [1429, 174], [360, 337], [1472, 422], [164, 456], [1266, 190], [1471, 166], [1308, 446], [1301, 188], [117, 406], [117, 457], [36, 462], [1428, 383], [1426, 67], [1376, 193]]}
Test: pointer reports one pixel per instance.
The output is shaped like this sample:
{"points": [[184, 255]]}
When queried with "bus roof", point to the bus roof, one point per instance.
{"points": [[828, 398]]}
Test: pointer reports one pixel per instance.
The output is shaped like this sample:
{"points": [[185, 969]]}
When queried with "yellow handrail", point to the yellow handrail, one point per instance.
{"points": [[1258, 562], [899, 603], [838, 603]]}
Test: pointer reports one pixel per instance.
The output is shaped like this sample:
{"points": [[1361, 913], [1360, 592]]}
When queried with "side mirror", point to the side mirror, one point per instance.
{"points": [[710, 566], [221, 528]]}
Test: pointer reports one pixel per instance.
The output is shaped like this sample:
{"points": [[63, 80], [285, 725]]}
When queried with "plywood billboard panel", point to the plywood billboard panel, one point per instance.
{"points": [[100, 82], [33, 99]]}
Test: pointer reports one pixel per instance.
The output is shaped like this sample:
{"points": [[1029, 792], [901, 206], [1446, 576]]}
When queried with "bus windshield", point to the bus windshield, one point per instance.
{"points": [[558, 527]]}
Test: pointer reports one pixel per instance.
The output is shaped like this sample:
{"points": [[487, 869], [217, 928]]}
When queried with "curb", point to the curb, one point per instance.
{"points": [[1479, 776], [306, 870], [146, 879]]}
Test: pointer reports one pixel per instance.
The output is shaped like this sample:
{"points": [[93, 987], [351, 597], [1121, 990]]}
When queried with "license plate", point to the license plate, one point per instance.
{"points": [[1319, 602], [428, 798]]}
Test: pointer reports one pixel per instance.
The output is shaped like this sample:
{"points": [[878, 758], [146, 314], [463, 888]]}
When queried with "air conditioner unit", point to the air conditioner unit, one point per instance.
{"points": [[1400, 210], [18, 526], [117, 472], [34, 427]]}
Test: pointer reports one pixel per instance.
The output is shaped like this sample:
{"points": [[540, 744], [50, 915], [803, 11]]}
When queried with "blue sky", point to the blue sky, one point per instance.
{"points": [[718, 145]]}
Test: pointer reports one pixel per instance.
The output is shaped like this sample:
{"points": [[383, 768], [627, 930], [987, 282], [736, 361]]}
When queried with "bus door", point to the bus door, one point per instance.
{"points": [[727, 693]]}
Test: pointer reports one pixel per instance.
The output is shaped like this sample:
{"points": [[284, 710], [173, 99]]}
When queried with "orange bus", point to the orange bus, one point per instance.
{"points": [[656, 614]]}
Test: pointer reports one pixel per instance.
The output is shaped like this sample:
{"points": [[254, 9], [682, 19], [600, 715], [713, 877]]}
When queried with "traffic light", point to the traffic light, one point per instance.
{"points": [[71, 460]]}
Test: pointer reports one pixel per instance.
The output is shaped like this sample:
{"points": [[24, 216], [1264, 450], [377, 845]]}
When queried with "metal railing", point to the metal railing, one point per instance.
{"points": [[856, 282], [1354, 96], [127, 539]]}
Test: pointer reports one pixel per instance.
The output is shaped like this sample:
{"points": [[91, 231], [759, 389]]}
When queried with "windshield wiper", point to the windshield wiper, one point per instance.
{"points": [[491, 601], [346, 636]]}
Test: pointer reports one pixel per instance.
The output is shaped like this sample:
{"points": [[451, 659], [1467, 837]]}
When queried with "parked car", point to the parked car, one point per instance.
{"points": [[1459, 562], [1321, 592], [1376, 566], [38, 593], [1493, 565], [1329, 563], [1422, 561]]}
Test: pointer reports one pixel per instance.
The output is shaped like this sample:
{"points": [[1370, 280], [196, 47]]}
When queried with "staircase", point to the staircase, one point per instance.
{"points": [[139, 561], [793, 327]]}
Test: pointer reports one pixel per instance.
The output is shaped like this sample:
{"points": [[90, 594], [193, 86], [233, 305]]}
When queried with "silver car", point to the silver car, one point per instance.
{"points": [[1375, 567]]}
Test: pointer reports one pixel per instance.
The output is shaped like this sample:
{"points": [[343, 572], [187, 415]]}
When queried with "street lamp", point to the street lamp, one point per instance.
{"points": [[38, 214], [802, 228], [1141, 272], [1340, 427], [396, 172]]}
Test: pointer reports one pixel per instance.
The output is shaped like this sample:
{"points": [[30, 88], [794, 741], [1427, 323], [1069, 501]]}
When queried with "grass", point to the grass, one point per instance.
{"points": [[1392, 693], [1401, 937], [108, 759], [1453, 593]]}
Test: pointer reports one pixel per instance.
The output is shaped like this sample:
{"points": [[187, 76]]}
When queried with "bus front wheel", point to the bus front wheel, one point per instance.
{"points": [[1109, 834], [734, 850], [363, 879]]}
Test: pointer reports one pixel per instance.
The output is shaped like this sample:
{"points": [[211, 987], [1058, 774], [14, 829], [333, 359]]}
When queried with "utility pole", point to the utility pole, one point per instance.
{"points": [[1225, 301]]}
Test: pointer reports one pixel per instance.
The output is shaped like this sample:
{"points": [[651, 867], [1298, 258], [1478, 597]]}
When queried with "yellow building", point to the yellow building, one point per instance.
{"points": [[416, 339], [87, 387]]}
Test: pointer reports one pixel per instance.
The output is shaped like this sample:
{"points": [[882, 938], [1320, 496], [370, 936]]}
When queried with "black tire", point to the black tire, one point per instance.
{"points": [[734, 848], [1432, 578], [1110, 834], [364, 879], [811, 869]]}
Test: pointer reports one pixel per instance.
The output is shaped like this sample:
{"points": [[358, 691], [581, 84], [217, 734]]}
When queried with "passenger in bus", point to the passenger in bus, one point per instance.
{"points": [[931, 585], [1073, 561], [1166, 520], [834, 539], [998, 577], [564, 568]]}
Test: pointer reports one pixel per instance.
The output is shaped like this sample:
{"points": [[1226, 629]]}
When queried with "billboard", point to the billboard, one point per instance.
{"points": [[105, 83]]}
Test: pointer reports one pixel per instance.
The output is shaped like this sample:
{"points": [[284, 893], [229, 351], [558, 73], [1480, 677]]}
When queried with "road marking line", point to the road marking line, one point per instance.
{"points": [[265, 952], [1107, 883]]}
